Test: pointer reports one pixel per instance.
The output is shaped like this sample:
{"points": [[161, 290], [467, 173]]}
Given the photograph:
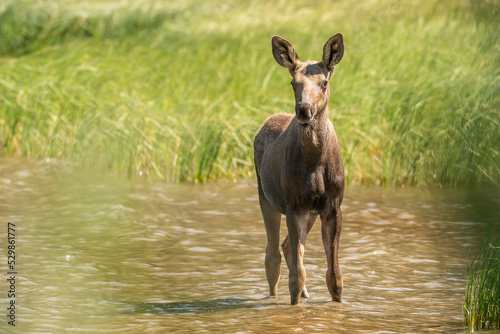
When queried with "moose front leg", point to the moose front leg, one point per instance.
{"points": [[330, 232], [285, 245], [296, 223]]}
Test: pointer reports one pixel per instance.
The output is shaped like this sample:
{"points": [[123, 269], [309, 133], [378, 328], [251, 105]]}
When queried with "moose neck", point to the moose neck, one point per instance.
{"points": [[315, 137]]}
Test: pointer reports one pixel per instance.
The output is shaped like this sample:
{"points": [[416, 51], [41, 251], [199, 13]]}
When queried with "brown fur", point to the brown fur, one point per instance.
{"points": [[300, 172]]}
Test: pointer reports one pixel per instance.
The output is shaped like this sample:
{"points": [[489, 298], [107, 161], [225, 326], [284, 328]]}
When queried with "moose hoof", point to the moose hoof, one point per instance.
{"points": [[304, 293], [337, 298]]}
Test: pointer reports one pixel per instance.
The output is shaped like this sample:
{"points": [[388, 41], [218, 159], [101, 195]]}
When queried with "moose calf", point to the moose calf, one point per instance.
{"points": [[300, 172]]}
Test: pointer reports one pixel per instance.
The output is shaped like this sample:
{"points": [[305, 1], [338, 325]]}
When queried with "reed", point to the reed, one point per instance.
{"points": [[177, 91], [482, 293]]}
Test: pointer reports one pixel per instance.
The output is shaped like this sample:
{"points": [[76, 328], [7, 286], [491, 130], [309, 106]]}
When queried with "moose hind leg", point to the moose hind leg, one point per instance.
{"points": [[330, 232], [272, 220]]}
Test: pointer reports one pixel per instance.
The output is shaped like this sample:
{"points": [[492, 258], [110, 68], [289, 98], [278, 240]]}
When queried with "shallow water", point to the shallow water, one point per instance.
{"points": [[100, 254]]}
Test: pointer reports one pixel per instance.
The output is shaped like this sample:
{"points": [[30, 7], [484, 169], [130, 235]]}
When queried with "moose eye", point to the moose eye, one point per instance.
{"points": [[324, 84]]}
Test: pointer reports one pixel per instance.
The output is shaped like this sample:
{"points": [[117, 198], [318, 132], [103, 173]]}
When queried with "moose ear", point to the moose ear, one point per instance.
{"points": [[285, 54], [333, 51]]}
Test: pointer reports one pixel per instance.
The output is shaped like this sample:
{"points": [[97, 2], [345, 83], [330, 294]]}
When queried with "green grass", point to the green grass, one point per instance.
{"points": [[482, 293], [178, 90]]}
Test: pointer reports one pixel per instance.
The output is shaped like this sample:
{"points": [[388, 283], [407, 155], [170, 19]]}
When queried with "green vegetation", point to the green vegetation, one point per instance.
{"points": [[482, 293], [177, 90]]}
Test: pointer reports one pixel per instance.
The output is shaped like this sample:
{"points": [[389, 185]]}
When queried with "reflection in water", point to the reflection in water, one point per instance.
{"points": [[202, 306], [108, 255]]}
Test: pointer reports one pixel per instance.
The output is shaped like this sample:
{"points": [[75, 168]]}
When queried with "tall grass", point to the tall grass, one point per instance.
{"points": [[177, 90], [482, 293]]}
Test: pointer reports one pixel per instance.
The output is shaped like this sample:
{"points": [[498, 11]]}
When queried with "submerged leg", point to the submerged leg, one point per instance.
{"points": [[272, 220], [285, 245], [296, 222], [330, 232]]}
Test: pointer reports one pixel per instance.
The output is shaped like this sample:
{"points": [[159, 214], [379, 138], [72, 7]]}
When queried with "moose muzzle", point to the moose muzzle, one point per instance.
{"points": [[305, 112]]}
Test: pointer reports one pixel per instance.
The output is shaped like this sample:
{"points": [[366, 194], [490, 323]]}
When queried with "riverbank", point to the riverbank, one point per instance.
{"points": [[178, 91]]}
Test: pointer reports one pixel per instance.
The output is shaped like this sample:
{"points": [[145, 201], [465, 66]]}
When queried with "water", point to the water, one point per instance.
{"points": [[107, 255]]}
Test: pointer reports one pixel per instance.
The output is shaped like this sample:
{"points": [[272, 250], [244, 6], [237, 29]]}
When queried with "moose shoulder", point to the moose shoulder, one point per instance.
{"points": [[300, 172]]}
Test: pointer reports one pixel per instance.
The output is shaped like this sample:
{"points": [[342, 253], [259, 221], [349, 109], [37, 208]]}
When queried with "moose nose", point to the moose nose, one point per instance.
{"points": [[304, 112]]}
